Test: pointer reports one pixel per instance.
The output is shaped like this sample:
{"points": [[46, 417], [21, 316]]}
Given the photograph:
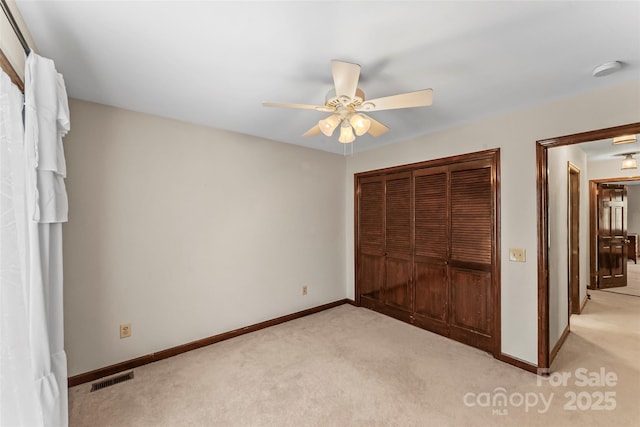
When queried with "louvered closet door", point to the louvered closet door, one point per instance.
{"points": [[428, 244], [371, 239], [398, 237], [431, 248], [471, 300]]}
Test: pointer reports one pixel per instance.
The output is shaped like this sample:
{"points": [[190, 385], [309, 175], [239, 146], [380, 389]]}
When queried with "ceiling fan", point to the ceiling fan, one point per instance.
{"points": [[347, 104]]}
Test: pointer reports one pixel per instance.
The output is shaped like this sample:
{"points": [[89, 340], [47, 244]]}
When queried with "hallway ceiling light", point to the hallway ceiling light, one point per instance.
{"points": [[625, 139], [629, 162]]}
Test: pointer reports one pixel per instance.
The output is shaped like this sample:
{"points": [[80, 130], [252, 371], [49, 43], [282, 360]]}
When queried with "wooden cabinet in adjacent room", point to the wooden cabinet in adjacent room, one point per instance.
{"points": [[427, 246]]}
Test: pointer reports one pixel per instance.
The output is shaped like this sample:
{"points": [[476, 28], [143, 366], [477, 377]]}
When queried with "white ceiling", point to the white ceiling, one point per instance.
{"points": [[214, 62]]}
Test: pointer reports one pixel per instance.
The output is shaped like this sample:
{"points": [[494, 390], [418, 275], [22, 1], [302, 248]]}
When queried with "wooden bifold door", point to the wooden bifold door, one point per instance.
{"points": [[426, 246]]}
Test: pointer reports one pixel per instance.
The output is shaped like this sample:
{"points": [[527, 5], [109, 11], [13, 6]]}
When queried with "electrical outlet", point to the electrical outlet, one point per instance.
{"points": [[304, 290], [125, 330]]}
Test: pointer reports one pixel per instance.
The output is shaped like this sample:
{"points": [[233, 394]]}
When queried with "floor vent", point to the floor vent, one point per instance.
{"points": [[111, 381]]}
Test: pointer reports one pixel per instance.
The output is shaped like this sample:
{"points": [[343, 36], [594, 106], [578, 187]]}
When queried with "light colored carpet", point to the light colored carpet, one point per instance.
{"points": [[633, 281], [350, 366]]}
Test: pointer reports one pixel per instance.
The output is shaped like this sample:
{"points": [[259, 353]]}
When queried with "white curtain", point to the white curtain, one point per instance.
{"points": [[33, 206]]}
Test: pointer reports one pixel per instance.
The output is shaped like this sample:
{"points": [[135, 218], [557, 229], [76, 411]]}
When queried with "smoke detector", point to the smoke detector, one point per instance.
{"points": [[607, 68]]}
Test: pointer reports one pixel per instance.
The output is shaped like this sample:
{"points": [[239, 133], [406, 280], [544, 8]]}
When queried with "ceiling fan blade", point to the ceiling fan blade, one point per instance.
{"points": [[419, 98], [322, 108], [345, 78], [313, 131], [376, 128]]}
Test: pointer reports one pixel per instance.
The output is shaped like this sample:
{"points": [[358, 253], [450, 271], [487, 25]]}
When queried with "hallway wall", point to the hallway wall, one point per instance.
{"points": [[558, 158], [633, 209]]}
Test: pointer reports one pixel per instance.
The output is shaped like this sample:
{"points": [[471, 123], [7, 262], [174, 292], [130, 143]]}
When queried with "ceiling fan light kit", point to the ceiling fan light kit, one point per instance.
{"points": [[360, 124], [346, 102], [328, 125], [346, 133]]}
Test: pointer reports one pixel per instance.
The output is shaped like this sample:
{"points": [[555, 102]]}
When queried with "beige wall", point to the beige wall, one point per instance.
{"points": [[515, 134], [633, 209], [187, 232], [558, 158]]}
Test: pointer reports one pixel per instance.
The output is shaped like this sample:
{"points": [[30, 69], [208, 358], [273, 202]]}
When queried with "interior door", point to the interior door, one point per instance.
{"points": [[472, 247], [612, 235], [398, 238], [431, 257], [573, 206], [371, 238]]}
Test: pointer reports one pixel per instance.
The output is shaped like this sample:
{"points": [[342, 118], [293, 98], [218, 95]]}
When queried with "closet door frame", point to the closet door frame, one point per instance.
{"points": [[494, 156]]}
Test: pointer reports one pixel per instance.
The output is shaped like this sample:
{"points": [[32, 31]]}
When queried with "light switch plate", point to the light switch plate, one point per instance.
{"points": [[517, 255]]}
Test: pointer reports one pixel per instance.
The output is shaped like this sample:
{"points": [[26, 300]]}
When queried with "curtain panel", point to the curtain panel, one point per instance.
{"points": [[33, 206]]}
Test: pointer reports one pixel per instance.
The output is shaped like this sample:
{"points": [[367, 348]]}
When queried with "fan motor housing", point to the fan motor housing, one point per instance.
{"points": [[331, 100]]}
